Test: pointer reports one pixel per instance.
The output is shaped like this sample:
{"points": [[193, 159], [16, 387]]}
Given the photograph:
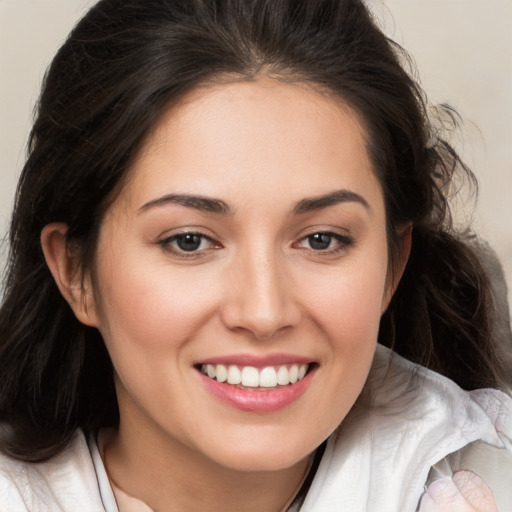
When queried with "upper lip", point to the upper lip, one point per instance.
{"points": [[257, 361]]}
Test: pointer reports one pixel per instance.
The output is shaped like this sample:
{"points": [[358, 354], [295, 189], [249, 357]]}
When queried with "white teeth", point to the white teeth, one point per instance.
{"points": [[222, 373], [234, 375], [294, 373], [268, 377], [283, 376], [249, 376]]}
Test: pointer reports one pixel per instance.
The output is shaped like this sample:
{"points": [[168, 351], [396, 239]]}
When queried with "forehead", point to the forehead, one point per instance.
{"points": [[240, 133], [265, 104]]}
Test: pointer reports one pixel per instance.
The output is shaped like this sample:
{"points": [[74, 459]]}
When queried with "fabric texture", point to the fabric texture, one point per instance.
{"points": [[408, 429], [406, 420]]}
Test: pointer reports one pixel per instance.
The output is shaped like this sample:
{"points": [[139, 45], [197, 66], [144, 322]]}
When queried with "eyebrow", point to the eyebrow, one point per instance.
{"points": [[218, 206], [339, 196], [201, 203]]}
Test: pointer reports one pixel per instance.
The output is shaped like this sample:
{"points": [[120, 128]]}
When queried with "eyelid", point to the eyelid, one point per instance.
{"points": [[165, 242], [345, 241]]}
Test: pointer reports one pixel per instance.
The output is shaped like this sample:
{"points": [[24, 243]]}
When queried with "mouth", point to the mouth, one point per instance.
{"points": [[257, 386], [253, 378]]}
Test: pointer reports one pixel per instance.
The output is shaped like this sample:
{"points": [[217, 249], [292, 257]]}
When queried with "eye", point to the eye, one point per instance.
{"points": [[320, 241], [188, 244], [327, 242]]}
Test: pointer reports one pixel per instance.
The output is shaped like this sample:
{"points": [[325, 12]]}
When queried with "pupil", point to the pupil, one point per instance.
{"points": [[320, 241], [189, 242]]}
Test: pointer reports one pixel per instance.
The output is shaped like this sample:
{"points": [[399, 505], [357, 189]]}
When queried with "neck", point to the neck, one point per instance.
{"points": [[170, 476]]}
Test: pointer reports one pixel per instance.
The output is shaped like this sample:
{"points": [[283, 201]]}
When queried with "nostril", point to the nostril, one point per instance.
{"points": [[259, 299], [260, 325]]}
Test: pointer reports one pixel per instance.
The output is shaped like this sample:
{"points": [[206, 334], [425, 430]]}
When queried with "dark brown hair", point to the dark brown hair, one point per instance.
{"points": [[122, 65]]}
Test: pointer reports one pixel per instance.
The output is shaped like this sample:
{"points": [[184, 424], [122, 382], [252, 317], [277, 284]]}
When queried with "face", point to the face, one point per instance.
{"points": [[241, 274]]}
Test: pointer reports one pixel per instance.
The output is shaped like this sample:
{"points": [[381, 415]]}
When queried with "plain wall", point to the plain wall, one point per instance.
{"points": [[462, 49]]}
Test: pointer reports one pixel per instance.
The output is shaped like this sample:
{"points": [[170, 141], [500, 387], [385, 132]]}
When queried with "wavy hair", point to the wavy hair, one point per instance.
{"points": [[123, 64]]}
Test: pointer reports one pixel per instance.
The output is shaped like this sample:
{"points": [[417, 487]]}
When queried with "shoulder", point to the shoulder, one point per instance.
{"points": [[66, 482], [432, 405], [406, 420], [473, 459]]}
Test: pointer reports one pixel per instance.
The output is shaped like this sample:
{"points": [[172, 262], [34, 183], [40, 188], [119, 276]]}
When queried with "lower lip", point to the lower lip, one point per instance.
{"points": [[258, 401]]}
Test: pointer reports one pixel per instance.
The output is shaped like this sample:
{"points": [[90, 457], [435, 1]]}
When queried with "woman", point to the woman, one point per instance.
{"points": [[225, 206]]}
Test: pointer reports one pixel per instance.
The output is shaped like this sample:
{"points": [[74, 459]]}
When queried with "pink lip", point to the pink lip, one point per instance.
{"points": [[256, 361], [258, 401]]}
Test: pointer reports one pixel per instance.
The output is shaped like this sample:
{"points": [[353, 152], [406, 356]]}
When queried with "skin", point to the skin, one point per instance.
{"points": [[465, 492], [256, 286]]}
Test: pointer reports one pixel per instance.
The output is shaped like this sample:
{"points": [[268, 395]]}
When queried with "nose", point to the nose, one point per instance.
{"points": [[261, 298]]}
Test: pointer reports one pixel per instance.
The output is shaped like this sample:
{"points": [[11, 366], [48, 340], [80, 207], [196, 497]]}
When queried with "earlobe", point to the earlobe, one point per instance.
{"points": [[67, 273], [395, 274], [405, 246]]}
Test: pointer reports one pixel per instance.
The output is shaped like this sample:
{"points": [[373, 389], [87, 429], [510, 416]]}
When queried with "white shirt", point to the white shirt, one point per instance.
{"points": [[407, 420]]}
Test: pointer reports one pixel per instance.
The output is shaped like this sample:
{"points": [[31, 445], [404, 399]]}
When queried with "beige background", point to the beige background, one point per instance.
{"points": [[462, 49]]}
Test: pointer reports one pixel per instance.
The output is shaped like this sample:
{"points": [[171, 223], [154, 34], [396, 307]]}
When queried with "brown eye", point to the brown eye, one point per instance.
{"points": [[189, 242], [325, 242], [320, 241]]}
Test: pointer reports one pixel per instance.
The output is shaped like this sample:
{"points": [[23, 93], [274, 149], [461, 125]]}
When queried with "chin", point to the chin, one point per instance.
{"points": [[262, 457]]}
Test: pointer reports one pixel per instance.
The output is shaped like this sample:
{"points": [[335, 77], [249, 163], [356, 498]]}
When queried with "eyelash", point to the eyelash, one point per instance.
{"points": [[343, 243], [166, 244]]}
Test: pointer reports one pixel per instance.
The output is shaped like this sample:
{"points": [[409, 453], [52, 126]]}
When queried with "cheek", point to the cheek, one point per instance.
{"points": [[349, 315], [147, 306], [349, 306]]}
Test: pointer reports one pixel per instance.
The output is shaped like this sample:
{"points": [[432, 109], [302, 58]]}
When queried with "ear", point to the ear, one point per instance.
{"points": [[395, 274], [66, 270]]}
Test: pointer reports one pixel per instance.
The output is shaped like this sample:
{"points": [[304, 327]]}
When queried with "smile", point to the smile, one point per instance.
{"points": [[252, 377], [258, 386]]}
